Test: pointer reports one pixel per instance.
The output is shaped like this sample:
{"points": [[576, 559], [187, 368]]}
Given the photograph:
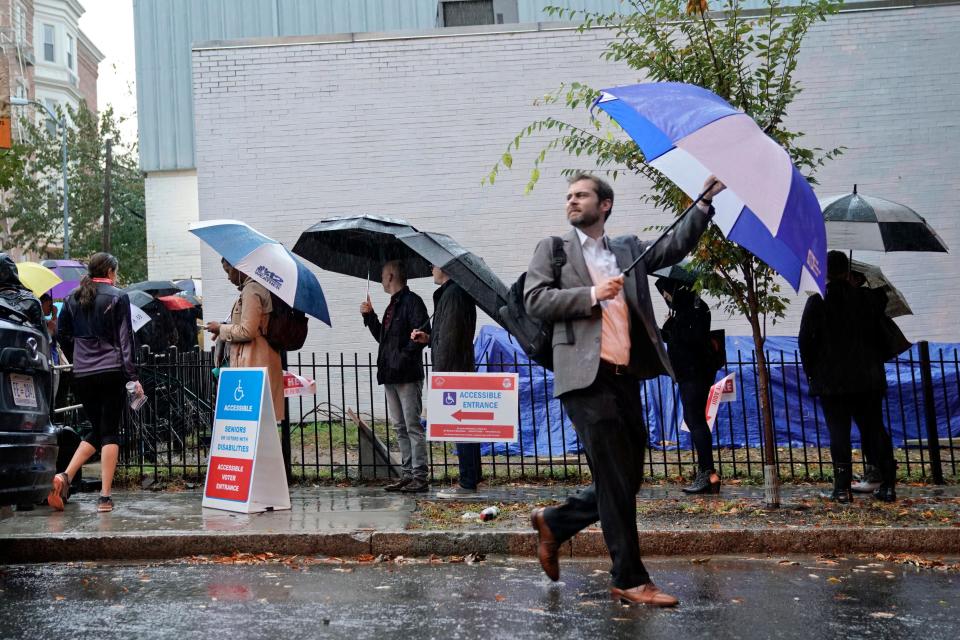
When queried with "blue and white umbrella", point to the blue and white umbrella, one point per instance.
{"points": [[266, 261], [688, 133]]}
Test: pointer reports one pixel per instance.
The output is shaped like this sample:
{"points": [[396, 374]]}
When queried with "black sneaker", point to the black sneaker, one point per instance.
{"points": [[105, 504], [398, 485], [416, 486]]}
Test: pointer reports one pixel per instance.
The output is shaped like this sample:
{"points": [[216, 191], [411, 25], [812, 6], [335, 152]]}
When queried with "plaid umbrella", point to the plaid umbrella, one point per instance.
{"points": [[856, 221], [875, 279]]}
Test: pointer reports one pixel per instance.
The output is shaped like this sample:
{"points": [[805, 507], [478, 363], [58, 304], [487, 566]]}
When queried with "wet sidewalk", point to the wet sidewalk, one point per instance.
{"points": [[367, 520]]}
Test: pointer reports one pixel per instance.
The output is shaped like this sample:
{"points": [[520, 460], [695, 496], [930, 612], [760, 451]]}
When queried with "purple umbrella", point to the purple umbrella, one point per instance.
{"points": [[70, 271]]}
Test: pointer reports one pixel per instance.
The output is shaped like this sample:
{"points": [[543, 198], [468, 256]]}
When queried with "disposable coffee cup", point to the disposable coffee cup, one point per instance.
{"points": [[135, 398]]}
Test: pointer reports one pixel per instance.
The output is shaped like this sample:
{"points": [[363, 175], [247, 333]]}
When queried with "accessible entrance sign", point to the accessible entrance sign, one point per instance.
{"points": [[472, 407], [245, 471]]}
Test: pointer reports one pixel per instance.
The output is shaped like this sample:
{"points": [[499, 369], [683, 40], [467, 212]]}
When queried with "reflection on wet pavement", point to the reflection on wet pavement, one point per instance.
{"points": [[799, 597]]}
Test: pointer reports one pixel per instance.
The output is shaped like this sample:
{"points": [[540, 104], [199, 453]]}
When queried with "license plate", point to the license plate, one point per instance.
{"points": [[24, 391]]}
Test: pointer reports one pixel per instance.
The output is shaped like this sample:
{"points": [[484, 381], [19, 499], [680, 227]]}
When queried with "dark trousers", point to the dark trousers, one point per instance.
{"points": [[608, 418], [468, 457], [693, 396], [867, 410]]}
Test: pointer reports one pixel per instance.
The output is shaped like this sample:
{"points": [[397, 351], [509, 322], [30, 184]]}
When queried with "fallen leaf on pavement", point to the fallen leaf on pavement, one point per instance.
{"points": [[499, 598]]}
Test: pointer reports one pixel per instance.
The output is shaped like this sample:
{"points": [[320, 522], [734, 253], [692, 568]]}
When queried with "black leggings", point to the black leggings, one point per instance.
{"points": [[693, 396], [102, 397]]}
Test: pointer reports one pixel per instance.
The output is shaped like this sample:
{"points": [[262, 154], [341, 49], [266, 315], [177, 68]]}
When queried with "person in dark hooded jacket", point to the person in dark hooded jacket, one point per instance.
{"points": [[18, 297], [687, 334], [841, 347]]}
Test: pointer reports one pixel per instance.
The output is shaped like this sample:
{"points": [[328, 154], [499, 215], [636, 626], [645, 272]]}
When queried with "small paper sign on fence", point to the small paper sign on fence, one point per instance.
{"points": [[723, 391], [294, 385]]}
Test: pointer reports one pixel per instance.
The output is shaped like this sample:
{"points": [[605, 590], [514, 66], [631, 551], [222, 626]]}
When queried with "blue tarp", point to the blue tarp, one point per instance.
{"points": [[798, 421]]}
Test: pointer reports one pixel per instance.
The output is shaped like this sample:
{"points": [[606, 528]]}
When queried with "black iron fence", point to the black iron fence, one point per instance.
{"points": [[342, 431]]}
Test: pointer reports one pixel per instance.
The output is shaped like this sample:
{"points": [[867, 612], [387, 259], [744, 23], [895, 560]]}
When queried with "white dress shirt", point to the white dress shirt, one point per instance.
{"points": [[615, 331]]}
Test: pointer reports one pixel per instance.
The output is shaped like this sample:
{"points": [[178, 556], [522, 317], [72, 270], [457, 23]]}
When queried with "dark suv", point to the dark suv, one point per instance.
{"points": [[28, 440]]}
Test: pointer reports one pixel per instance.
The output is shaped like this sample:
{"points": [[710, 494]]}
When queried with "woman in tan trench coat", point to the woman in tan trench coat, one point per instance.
{"points": [[246, 330]]}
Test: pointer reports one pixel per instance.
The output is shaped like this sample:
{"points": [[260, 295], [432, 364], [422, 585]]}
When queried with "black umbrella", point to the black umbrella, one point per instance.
{"points": [[466, 269], [154, 287], [360, 245], [679, 272], [139, 298], [862, 222]]}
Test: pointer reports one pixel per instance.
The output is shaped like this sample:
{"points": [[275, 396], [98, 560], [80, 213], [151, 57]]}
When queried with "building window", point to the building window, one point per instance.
{"points": [[19, 24], [49, 52], [51, 123], [71, 52], [461, 13]]}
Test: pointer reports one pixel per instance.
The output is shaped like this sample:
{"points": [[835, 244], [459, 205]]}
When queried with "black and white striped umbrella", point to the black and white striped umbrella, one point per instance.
{"points": [[861, 222]]}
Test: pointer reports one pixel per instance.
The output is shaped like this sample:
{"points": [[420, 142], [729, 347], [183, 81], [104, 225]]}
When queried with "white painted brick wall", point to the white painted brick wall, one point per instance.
{"points": [[287, 135], [171, 201]]}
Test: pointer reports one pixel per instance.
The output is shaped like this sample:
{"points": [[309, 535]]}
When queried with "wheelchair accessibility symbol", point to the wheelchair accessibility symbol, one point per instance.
{"points": [[449, 398], [238, 392]]}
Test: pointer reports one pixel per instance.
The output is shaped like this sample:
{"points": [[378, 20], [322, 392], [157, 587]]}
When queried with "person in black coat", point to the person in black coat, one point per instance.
{"points": [[451, 346], [687, 334], [841, 347], [400, 371]]}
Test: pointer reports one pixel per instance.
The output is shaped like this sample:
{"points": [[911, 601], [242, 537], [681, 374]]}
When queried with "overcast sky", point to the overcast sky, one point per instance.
{"points": [[109, 25]]}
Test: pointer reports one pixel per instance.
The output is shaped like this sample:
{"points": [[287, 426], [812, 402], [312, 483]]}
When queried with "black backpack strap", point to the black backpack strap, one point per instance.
{"points": [[560, 259]]}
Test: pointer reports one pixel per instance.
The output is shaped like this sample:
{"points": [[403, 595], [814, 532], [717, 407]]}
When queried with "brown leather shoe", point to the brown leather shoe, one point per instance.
{"points": [[644, 594], [548, 547]]}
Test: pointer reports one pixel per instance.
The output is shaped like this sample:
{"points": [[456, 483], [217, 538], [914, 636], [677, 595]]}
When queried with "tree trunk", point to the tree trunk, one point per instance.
{"points": [[771, 479]]}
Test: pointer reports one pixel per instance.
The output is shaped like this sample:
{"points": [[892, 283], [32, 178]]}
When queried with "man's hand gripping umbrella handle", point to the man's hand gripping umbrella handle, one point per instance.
{"points": [[672, 226]]}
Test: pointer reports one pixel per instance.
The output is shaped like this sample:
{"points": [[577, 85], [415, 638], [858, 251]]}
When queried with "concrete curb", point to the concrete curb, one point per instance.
{"points": [[13, 549]]}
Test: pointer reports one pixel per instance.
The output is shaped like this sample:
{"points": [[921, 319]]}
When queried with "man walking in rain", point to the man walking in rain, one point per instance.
{"points": [[451, 346], [400, 371], [605, 339]]}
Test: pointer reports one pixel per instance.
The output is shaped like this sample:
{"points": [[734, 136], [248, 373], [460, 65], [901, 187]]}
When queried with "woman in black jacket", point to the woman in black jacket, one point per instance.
{"points": [[95, 331], [687, 334]]}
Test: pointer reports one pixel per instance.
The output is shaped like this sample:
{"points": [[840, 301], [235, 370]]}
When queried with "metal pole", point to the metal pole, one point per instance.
{"points": [[285, 426], [66, 192], [108, 170], [930, 413]]}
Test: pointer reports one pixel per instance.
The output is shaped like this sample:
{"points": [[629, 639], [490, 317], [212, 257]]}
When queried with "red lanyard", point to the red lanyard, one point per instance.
{"points": [[102, 280]]}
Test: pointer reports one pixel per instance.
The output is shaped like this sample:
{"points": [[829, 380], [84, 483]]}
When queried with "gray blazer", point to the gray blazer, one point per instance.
{"points": [[577, 323]]}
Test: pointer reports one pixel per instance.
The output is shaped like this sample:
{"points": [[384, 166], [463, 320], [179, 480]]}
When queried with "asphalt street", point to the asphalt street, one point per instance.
{"points": [[724, 597]]}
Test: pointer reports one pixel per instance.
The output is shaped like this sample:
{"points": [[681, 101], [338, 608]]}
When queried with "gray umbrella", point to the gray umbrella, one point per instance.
{"points": [[360, 245], [896, 304], [466, 269], [855, 221]]}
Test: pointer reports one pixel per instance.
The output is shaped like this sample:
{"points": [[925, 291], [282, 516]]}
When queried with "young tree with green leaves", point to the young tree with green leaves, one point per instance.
{"points": [[33, 202], [746, 57]]}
